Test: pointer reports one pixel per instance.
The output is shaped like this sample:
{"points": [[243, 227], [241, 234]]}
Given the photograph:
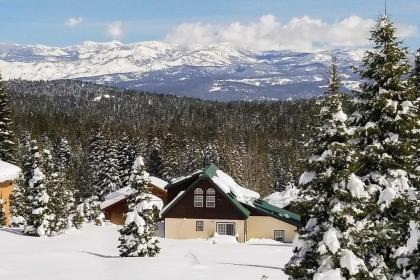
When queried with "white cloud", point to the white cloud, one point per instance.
{"points": [[115, 29], [73, 21], [300, 33]]}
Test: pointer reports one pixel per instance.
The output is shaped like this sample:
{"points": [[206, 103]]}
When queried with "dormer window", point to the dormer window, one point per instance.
{"points": [[198, 197], [210, 198]]}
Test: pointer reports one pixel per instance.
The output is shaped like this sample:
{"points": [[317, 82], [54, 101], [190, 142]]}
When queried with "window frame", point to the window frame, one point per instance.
{"points": [[198, 201], [225, 230], [199, 224], [283, 234], [213, 205]]}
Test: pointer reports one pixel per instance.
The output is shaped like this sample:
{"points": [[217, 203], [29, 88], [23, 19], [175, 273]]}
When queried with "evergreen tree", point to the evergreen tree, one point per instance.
{"points": [[171, 158], [126, 156], [62, 155], [96, 159], [138, 236], [387, 133], [7, 144], [335, 195], [109, 178], [36, 183], [210, 155], [155, 160], [416, 71]]}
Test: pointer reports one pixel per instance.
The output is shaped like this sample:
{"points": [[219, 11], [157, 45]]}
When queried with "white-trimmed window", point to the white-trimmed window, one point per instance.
{"points": [[210, 198], [199, 225], [198, 197], [226, 228], [279, 235]]}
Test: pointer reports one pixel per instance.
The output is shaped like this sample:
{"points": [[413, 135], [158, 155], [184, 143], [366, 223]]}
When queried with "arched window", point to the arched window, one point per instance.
{"points": [[210, 191], [210, 198], [198, 191], [198, 197]]}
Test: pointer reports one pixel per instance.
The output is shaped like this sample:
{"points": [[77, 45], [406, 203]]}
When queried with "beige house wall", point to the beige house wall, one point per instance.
{"points": [[6, 189], [179, 228], [264, 227]]}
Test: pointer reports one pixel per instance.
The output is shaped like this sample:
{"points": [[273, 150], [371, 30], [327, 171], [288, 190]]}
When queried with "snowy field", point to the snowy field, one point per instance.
{"points": [[91, 253]]}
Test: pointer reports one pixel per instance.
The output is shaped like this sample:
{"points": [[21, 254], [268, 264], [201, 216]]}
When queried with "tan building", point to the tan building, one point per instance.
{"points": [[8, 174], [210, 201], [115, 205]]}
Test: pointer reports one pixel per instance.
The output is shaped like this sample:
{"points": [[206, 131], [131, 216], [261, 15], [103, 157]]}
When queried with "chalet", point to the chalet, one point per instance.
{"points": [[115, 205], [210, 201], [8, 174]]}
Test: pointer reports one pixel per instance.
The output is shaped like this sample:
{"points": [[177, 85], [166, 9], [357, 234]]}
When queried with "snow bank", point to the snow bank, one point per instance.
{"points": [[223, 239], [8, 171], [228, 185], [282, 199]]}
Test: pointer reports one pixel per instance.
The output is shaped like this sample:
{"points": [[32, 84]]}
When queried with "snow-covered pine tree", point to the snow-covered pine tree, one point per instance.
{"points": [[138, 236], [210, 155], [96, 158], [387, 133], [154, 160], [19, 204], [126, 156], [190, 156], [7, 141], [62, 155], [171, 157], [38, 198], [109, 178], [323, 248]]}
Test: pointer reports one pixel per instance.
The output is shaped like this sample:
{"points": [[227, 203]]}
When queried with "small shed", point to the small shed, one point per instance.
{"points": [[115, 205], [8, 174]]}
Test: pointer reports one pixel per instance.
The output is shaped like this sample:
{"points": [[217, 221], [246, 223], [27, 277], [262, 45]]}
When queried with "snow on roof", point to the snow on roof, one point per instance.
{"points": [[8, 171], [282, 199], [182, 178], [228, 185], [155, 181], [120, 195]]}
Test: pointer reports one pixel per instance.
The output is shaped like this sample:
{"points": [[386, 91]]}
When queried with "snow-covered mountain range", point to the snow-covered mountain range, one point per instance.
{"points": [[215, 72]]}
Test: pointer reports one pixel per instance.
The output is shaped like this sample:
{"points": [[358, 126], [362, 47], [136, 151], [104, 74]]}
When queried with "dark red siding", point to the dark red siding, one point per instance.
{"points": [[184, 208]]}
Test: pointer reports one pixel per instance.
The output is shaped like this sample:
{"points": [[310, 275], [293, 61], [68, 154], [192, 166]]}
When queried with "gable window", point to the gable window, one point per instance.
{"points": [[199, 225], [279, 235], [226, 228], [210, 198], [198, 197]]}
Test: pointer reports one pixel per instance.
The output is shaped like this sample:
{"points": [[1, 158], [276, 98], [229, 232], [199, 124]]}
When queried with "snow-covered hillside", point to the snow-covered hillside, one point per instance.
{"points": [[218, 71], [91, 253]]}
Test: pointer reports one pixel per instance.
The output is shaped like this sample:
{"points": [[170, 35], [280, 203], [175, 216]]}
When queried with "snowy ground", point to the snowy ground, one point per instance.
{"points": [[91, 253]]}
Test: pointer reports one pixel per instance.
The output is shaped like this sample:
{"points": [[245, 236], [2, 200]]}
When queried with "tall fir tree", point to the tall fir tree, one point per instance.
{"points": [[2, 214], [138, 236], [109, 176], [210, 155], [126, 157], [7, 139], [155, 158], [323, 249], [387, 128], [171, 157], [416, 70], [38, 198]]}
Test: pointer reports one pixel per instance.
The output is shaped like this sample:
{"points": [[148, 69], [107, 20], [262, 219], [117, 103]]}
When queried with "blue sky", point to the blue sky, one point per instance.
{"points": [[43, 21]]}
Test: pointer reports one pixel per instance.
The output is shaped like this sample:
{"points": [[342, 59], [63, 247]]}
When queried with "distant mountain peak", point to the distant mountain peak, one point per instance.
{"points": [[216, 71]]}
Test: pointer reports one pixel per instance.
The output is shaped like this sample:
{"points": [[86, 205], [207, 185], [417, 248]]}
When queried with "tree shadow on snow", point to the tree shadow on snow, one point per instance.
{"points": [[101, 255], [253, 265], [16, 231]]}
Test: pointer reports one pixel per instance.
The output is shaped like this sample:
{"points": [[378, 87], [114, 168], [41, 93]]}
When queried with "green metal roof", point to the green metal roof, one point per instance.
{"points": [[276, 212]]}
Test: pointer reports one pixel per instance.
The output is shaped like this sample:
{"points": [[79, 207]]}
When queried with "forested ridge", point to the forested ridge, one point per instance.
{"points": [[260, 143]]}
